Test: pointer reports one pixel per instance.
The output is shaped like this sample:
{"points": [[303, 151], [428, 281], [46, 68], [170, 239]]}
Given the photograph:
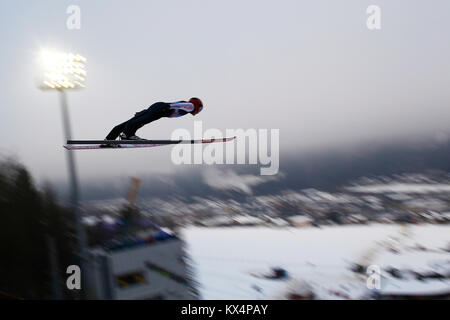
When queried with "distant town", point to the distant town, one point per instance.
{"points": [[403, 198]]}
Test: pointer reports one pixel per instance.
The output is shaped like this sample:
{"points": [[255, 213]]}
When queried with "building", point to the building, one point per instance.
{"points": [[141, 269]]}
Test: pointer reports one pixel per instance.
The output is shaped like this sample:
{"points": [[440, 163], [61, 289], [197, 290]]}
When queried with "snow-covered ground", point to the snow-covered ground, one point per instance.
{"points": [[223, 258], [402, 188]]}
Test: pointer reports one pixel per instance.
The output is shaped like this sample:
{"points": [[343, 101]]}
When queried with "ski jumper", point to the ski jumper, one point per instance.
{"points": [[154, 112]]}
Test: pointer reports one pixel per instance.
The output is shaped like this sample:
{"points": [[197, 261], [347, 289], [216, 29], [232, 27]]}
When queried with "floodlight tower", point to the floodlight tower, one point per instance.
{"points": [[66, 71]]}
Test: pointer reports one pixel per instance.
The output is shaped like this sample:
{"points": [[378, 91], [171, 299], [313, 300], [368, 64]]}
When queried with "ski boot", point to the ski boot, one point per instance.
{"points": [[122, 136], [109, 145]]}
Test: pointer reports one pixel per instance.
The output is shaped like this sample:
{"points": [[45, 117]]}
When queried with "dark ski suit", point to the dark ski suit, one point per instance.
{"points": [[154, 112]]}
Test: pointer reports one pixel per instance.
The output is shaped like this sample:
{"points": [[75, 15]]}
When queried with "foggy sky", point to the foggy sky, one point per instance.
{"points": [[309, 68]]}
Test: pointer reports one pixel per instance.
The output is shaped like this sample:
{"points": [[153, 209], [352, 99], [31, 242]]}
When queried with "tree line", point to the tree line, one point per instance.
{"points": [[35, 230]]}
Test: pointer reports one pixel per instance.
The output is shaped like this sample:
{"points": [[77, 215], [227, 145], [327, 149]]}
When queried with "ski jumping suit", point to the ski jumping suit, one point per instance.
{"points": [[154, 112]]}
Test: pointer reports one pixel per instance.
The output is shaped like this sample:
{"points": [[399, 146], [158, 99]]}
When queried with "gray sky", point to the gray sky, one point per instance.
{"points": [[309, 68]]}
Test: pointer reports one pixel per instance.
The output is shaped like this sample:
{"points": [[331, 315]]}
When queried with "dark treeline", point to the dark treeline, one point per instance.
{"points": [[30, 221]]}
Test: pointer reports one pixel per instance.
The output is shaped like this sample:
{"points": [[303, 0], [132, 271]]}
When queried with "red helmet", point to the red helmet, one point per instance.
{"points": [[198, 105]]}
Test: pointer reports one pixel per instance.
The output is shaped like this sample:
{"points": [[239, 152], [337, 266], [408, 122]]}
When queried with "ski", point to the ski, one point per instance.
{"points": [[127, 144]]}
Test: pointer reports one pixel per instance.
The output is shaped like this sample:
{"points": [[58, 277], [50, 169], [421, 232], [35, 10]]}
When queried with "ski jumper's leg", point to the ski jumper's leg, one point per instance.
{"points": [[154, 112], [116, 131]]}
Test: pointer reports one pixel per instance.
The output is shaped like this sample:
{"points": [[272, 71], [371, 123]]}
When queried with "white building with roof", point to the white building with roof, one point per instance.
{"points": [[139, 271]]}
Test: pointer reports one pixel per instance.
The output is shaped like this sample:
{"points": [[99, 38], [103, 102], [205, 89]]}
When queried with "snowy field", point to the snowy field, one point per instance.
{"points": [[415, 188], [223, 258]]}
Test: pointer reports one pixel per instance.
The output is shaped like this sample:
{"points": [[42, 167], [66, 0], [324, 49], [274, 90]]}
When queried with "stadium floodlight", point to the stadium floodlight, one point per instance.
{"points": [[63, 70]]}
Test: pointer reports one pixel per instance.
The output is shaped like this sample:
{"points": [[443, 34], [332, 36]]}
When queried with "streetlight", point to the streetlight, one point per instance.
{"points": [[66, 71]]}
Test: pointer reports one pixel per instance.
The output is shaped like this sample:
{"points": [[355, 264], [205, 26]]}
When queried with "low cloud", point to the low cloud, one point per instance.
{"points": [[230, 180]]}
